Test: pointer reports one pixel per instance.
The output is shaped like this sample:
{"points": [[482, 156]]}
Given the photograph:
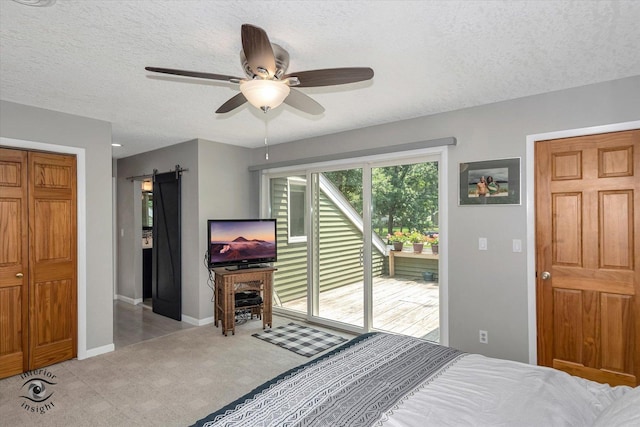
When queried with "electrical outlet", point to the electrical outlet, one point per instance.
{"points": [[484, 337]]}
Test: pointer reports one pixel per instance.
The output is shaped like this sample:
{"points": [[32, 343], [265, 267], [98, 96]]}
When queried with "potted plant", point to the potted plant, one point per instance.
{"points": [[397, 239], [432, 240], [417, 239]]}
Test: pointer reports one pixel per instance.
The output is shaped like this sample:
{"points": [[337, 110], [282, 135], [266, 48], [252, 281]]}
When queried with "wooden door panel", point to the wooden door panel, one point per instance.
{"points": [[568, 324], [615, 161], [13, 262], [51, 173], [52, 326], [49, 246], [53, 311], [566, 165], [616, 328], [11, 228], [566, 279], [52, 257], [10, 169], [11, 331], [567, 229], [11, 327], [615, 229], [591, 329], [587, 225], [592, 335]]}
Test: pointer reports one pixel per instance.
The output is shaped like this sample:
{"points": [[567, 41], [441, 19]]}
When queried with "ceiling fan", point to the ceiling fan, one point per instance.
{"points": [[266, 85]]}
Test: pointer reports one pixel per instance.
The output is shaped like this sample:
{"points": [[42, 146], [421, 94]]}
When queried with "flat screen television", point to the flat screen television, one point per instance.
{"points": [[241, 243]]}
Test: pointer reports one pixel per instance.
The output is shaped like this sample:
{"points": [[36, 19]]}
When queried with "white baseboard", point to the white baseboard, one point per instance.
{"points": [[133, 301], [187, 319], [92, 352], [197, 322]]}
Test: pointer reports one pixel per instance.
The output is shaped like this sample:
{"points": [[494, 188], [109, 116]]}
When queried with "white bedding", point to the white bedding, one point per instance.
{"points": [[481, 391], [391, 380]]}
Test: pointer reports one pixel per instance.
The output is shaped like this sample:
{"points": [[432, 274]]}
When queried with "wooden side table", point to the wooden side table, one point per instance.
{"points": [[229, 282]]}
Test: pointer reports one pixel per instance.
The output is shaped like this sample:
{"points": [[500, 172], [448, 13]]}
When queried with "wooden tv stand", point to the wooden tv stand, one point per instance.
{"points": [[229, 282]]}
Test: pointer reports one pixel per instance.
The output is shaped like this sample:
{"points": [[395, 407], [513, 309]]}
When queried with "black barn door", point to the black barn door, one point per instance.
{"points": [[167, 272]]}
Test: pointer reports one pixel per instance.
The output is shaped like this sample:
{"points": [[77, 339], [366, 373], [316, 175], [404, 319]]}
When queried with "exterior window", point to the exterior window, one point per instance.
{"points": [[297, 192]]}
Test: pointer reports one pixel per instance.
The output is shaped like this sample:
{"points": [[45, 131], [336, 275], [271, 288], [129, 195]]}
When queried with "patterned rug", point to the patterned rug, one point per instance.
{"points": [[300, 339]]}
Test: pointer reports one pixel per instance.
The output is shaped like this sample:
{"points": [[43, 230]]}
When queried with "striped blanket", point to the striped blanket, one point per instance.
{"points": [[354, 385]]}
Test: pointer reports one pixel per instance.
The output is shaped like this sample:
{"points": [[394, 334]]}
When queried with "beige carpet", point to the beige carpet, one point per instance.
{"points": [[168, 381]]}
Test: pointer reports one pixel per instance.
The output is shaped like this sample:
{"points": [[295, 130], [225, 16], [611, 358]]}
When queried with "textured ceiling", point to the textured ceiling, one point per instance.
{"points": [[87, 57]]}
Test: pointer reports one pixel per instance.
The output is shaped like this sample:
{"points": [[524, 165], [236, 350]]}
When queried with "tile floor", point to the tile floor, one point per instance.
{"points": [[136, 323]]}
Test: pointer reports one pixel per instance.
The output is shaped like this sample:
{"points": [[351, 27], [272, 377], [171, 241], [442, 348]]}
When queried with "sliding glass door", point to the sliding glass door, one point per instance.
{"points": [[336, 263], [288, 204], [338, 246], [405, 292]]}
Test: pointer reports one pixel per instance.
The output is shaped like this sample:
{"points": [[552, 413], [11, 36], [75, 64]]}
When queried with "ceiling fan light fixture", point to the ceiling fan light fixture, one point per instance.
{"points": [[267, 85], [264, 94]]}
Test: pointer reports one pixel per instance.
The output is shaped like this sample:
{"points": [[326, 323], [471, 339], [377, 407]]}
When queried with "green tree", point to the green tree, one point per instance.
{"points": [[404, 196], [349, 182]]}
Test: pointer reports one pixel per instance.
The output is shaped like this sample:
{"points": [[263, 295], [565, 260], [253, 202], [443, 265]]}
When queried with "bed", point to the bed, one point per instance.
{"points": [[380, 379]]}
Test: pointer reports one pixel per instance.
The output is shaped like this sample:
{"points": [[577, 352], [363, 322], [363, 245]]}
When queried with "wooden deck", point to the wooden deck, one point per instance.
{"points": [[403, 306]]}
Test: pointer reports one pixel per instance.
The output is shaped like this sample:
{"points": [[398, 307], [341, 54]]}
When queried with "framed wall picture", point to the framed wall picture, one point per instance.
{"points": [[490, 182]]}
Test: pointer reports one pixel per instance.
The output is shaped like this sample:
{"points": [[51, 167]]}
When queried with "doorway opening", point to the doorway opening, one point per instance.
{"points": [[147, 241]]}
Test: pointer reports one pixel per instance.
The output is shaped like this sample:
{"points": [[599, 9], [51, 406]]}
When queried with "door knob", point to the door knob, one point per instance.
{"points": [[19, 275], [546, 275]]}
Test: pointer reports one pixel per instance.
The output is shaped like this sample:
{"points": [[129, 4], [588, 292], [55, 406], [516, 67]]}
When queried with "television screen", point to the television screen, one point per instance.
{"points": [[241, 242]]}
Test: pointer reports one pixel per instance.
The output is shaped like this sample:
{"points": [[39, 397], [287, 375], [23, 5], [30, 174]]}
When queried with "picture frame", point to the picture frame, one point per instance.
{"points": [[490, 182]]}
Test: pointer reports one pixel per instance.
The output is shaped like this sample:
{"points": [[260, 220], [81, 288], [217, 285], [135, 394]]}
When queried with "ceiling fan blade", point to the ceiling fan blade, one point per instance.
{"points": [[232, 104], [331, 76], [258, 51], [302, 102], [198, 74]]}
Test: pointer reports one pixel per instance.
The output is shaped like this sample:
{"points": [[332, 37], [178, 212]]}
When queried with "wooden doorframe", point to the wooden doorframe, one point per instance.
{"points": [[531, 215], [81, 195]]}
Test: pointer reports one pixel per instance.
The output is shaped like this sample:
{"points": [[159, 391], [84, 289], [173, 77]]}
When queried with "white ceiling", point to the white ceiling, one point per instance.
{"points": [[87, 57]]}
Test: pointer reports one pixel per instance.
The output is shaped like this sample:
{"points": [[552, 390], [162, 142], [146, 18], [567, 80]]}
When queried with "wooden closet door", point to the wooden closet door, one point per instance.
{"points": [[52, 259], [587, 256], [14, 263]]}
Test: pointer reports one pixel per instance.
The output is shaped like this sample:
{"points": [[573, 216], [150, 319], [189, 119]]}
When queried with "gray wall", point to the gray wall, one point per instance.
{"points": [[481, 295], [225, 191], [94, 136], [129, 221], [216, 186]]}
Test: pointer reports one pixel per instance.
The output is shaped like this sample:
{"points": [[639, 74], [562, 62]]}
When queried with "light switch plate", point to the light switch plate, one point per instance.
{"points": [[517, 245], [482, 244]]}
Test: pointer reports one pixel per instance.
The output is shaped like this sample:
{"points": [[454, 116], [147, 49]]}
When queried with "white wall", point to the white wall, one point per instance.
{"points": [[487, 290], [93, 137]]}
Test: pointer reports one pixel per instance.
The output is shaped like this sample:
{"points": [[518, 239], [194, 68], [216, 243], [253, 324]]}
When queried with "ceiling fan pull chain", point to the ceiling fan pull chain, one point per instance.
{"points": [[266, 135]]}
